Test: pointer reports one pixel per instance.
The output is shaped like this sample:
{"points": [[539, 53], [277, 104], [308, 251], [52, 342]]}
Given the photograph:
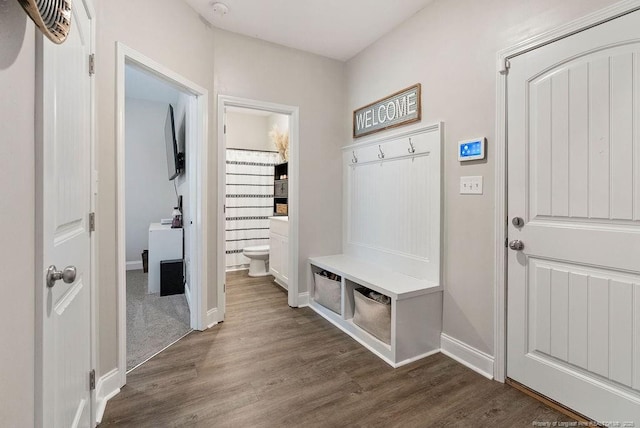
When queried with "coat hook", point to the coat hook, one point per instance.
{"points": [[355, 159], [411, 149], [381, 155]]}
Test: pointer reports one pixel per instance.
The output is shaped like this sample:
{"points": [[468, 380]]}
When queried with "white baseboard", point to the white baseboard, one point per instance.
{"points": [[281, 284], [466, 355], [303, 300], [106, 388], [236, 268], [137, 265], [187, 295], [212, 317]]}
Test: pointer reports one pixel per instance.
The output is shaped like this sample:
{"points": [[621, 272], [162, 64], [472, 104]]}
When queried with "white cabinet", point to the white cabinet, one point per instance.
{"points": [[165, 243], [279, 250]]}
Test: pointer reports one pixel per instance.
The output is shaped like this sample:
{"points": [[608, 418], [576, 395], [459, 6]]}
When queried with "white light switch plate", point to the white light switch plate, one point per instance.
{"points": [[471, 185]]}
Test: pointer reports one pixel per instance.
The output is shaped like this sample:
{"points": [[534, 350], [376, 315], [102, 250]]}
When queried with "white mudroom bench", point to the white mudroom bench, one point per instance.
{"points": [[416, 307]]}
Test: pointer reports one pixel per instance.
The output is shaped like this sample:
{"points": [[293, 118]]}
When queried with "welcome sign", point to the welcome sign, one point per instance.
{"points": [[398, 109]]}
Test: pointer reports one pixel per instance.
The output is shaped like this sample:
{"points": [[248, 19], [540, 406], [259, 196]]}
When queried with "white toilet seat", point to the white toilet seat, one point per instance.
{"points": [[258, 256], [257, 250]]}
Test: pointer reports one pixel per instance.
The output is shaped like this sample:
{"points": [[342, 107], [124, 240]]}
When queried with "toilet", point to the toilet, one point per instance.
{"points": [[258, 257]]}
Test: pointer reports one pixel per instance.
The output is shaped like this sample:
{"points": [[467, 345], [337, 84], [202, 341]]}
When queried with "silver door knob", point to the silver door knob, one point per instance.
{"points": [[68, 275], [516, 245]]}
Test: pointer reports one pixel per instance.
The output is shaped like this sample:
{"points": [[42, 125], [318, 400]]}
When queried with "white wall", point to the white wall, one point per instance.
{"points": [[150, 196], [251, 131], [279, 120], [17, 205], [450, 47], [248, 131], [250, 68]]}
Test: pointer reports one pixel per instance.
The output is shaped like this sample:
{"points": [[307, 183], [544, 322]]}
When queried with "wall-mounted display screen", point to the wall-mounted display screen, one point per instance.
{"points": [[471, 149]]}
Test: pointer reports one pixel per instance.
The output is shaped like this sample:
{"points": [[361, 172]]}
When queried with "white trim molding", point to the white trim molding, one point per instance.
{"points": [[212, 317], [197, 158], [187, 295], [107, 387], [303, 299], [500, 303], [225, 101], [137, 265], [467, 355]]}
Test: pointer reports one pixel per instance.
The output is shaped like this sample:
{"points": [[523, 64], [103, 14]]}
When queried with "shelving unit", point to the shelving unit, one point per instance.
{"points": [[416, 308], [280, 188]]}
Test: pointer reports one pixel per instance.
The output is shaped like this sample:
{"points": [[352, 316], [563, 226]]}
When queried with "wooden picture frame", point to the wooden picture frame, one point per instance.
{"points": [[377, 106]]}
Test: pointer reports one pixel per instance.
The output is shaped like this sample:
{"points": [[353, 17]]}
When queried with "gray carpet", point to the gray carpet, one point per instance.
{"points": [[153, 322]]}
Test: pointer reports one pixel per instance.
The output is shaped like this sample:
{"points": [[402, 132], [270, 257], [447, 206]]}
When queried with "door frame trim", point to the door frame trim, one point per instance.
{"points": [[198, 143], [224, 101], [501, 221]]}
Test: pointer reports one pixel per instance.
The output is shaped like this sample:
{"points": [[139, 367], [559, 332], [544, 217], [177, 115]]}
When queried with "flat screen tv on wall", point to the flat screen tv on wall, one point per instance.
{"points": [[175, 159]]}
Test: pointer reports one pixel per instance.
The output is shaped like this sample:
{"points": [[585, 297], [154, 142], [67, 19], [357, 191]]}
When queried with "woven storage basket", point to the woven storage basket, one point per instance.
{"points": [[372, 316], [327, 293]]}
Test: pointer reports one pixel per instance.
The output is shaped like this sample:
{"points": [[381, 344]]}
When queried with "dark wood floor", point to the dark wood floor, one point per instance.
{"points": [[269, 365]]}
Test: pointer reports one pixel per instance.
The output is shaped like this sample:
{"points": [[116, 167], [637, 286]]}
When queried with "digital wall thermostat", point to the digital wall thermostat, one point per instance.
{"points": [[471, 149]]}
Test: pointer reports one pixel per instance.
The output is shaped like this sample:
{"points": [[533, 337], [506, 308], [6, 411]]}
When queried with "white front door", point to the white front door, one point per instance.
{"points": [[574, 179], [64, 203]]}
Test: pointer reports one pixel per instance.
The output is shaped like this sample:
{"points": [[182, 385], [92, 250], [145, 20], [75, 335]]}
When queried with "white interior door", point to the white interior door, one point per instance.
{"points": [[64, 174], [574, 179]]}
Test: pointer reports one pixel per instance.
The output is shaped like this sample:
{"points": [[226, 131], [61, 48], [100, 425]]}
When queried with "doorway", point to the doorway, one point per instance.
{"points": [[157, 207], [572, 208], [257, 228], [171, 159]]}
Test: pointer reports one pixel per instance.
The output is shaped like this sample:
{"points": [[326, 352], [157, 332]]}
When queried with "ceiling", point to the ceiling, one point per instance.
{"points": [[144, 86], [333, 28]]}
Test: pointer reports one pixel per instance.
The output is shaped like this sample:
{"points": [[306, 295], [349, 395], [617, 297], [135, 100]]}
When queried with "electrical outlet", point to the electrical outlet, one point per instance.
{"points": [[471, 185]]}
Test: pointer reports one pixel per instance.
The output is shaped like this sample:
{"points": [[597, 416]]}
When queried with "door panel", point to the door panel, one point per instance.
{"points": [[587, 100], [574, 176], [65, 162], [575, 310]]}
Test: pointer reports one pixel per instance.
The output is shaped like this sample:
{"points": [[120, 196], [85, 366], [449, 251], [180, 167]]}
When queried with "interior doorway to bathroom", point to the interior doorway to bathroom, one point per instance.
{"points": [[253, 166], [257, 196]]}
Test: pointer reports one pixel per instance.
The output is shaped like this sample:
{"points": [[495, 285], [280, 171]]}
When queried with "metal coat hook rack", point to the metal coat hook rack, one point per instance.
{"points": [[381, 154], [411, 148]]}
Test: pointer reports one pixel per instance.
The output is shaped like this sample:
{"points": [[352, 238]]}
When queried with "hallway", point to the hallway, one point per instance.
{"points": [[269, 365]]}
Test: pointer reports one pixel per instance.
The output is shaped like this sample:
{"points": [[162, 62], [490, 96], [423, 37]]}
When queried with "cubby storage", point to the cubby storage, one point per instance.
{"points": [[414, 319], [281, 189]]}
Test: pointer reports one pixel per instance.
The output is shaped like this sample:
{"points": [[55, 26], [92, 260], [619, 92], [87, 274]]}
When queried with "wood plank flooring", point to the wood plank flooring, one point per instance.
{"points": [[269, 365]]}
